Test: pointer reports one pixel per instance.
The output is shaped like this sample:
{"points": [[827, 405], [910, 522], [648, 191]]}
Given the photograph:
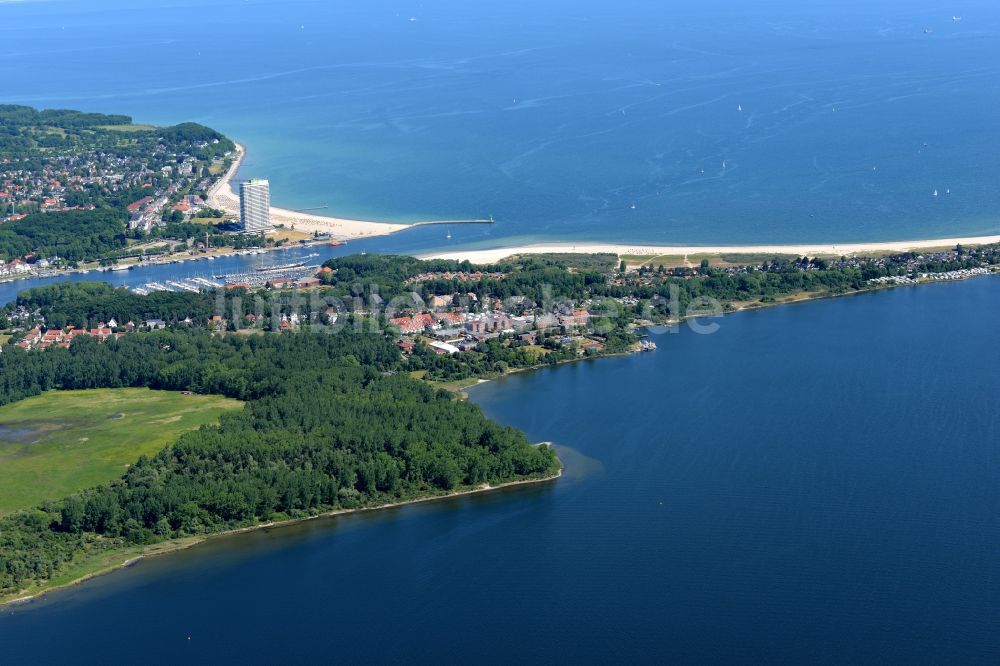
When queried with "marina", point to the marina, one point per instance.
{"points": [[193, 285], [259, 278]]}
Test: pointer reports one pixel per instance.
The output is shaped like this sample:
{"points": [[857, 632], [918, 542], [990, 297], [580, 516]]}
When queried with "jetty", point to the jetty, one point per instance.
{"points": [[428, 223]]}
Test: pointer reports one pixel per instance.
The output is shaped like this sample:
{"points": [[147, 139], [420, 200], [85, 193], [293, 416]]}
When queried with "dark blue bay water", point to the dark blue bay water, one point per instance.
{"points": [[557, 116], [812, 483]]}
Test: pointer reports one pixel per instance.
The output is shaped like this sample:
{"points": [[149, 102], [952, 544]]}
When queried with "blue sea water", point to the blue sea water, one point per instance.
{"points": [[810, 484], [556, 117]]}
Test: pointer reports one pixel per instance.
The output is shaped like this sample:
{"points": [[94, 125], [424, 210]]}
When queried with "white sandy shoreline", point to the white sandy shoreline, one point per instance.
{"points": [[222, 197], [802, 249]]}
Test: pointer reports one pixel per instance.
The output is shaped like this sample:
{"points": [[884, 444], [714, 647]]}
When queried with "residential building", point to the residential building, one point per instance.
{"points": [[255, 206]]}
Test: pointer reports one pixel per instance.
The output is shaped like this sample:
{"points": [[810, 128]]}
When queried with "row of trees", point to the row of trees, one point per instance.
{"points": [[74, 235]]}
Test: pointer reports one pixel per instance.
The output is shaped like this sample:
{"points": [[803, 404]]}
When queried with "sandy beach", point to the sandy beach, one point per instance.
{"points": [[809, 250], [223, 197]]}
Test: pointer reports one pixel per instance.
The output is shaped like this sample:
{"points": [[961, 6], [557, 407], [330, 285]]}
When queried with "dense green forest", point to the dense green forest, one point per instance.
{"points": [[14, 115], [74, 235], [28, 134], [85, 304], [330, 423]]}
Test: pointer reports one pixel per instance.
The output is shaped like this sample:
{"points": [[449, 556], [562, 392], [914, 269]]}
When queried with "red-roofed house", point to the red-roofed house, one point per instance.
{"points": [[451, 318], [415, 324]]}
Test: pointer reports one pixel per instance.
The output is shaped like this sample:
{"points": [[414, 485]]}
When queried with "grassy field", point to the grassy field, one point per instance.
{"points": [[207, 221], [64, 441], [128, 128], [290, 235], [591, 262], [693, 260]]}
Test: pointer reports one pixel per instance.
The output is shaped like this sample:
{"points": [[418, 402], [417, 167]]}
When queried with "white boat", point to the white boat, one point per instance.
{"points": [[739, 107], [448, 236], [935, 192], [633, 205]]}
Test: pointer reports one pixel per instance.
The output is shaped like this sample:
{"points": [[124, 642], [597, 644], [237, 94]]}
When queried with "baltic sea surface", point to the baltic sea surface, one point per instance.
{"points": [[812, 483], [721, 121]]}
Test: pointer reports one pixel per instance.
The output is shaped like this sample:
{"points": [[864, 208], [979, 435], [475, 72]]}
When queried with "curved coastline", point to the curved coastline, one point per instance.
{"points": [[222, 196], [130, 558]]}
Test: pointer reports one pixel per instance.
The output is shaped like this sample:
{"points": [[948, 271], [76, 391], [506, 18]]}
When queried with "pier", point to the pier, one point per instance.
{"points": [[428, 223]]}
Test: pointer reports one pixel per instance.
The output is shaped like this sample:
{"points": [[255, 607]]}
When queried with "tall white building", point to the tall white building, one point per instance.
{"points": [[255, 206]]}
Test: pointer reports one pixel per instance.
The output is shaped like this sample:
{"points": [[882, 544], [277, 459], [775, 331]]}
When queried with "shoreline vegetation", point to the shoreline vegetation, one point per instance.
{"points": [[101, 563], [331, 423], [102, 566]]}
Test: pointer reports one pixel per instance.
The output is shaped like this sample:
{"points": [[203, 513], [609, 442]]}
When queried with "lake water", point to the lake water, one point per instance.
{"points": [[721, 121], [812, 483]]}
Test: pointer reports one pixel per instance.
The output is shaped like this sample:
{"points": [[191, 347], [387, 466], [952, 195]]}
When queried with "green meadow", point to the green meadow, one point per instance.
{"points": [[62, 442]]}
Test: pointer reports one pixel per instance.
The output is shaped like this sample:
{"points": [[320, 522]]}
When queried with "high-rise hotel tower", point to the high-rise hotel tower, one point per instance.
{"points": [[255, 206]]}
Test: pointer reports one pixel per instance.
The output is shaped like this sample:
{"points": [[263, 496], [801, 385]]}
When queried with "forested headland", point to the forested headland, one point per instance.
{"points": [[330, 423]]}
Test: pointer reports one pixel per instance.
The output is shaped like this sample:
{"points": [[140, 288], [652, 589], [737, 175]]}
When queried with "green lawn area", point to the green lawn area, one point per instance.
{"points": [[128, 128], [716, 260], [64, 441]]}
